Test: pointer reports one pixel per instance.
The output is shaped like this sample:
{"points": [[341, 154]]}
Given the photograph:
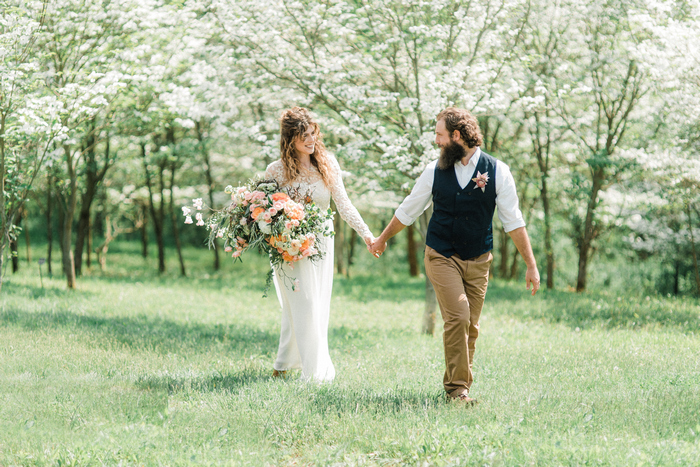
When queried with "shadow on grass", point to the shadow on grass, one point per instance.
{"points": [[594, 309], [326, 399], [243, 278], [367, 287], [33, 290], [331, 399], [143, 333], [215, 382]]}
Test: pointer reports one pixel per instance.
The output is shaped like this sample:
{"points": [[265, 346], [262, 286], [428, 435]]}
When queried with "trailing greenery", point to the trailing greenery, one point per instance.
{"points": [[136, 368]]}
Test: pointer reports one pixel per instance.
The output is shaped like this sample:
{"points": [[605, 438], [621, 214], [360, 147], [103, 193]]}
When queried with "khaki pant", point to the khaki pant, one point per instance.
{"points": [[460, 286]]}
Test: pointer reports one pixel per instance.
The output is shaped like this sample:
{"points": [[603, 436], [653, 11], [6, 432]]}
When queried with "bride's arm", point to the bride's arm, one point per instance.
{"points": [[345, 207], [275, 171]]}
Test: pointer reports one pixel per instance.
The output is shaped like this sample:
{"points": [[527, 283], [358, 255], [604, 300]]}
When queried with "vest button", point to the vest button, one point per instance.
{"points": [[469, 194], [466, 217]]}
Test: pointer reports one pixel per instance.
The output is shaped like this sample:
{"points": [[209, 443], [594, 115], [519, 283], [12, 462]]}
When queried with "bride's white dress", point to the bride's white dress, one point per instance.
{"points": [[305, 312]]}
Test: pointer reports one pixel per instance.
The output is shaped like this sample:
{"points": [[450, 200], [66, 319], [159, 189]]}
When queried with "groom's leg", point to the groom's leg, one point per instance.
{"points": [[476, 280], [446, 275]]}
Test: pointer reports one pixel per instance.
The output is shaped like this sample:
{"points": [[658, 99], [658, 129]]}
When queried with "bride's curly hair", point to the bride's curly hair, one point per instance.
{"points": [[293, 124]]}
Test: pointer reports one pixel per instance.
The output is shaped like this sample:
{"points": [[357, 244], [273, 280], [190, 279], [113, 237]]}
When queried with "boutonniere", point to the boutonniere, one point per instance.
{"points": [[481, 180]]}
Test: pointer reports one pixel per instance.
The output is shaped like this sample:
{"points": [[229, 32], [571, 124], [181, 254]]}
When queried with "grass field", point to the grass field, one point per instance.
{"points": [[137, 369]]}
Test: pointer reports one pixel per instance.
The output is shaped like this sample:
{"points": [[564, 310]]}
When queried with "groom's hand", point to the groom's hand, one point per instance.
{"points": [[532, 277]]}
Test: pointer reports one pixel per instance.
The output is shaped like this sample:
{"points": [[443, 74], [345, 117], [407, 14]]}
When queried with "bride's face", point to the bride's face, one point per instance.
{"points": [[306, 143]]}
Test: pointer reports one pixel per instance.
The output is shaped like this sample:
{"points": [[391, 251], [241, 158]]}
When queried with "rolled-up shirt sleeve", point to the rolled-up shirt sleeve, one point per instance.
{"points": [[507, 200], [420, 198]]}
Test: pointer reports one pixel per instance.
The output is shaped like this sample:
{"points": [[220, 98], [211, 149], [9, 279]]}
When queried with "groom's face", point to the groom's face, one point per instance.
{"points": [[451, 150], [442, 136]]}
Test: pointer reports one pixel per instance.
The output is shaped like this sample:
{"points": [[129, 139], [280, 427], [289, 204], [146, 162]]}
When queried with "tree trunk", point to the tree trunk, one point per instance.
{"points": [[339, 243], [82, 230], [351, 250], [102, 249], [71, 204], [3, 212], [412, 251], [156, 215], [428, 324], [210, 183], [692, 246], [2, 261], [13, 244], [504, 255], [174, 220], [588, 235], [514, 265], [144, 233], [27, 240], [49, 223], [542, 151], [61, 220], [93, 177], [88, 251], [676, 275], [548, 247]]}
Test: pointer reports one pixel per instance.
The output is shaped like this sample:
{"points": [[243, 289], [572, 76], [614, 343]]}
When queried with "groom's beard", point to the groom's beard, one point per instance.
{"points": [[450, 154]]}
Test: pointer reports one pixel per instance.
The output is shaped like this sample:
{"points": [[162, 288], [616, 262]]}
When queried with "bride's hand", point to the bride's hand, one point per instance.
{"points": [[369, 241]]}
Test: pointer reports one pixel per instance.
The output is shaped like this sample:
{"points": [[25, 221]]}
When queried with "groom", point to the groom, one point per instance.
{"points": [[465, 185]]}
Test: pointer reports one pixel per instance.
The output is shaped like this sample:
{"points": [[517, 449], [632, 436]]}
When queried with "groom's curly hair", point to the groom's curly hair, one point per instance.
{"points": [[464, 122], [293, 124]]}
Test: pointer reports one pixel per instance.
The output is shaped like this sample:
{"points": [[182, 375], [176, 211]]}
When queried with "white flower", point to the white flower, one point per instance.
{"points": [[264, 227]]}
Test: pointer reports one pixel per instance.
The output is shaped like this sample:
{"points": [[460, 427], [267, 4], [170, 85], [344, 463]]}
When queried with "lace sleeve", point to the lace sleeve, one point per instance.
{"points": [[345, 207], [275, 171]]}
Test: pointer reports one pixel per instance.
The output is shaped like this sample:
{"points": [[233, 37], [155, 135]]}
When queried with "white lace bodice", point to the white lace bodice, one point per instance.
{"points": [[310, 181]]}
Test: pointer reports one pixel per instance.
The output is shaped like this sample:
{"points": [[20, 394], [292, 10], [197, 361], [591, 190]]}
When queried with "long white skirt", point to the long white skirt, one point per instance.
{"points": [[305, 314]]}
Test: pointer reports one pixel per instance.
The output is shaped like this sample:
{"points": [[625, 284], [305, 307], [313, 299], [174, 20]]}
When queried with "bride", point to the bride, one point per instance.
{"points": [[306, 166]]}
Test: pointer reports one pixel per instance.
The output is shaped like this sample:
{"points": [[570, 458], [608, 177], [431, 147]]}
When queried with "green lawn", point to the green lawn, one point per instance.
{"points": [[137, 369]]}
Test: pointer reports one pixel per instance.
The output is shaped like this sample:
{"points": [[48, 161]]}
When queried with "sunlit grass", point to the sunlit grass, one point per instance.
{"points": [[137, 368]]}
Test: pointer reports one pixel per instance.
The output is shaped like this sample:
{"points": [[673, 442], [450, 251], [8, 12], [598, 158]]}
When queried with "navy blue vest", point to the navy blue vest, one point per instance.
{"points": [[461, 221]]}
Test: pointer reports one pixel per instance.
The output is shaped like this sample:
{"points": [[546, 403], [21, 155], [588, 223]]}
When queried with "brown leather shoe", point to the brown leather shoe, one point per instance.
{"points": [[464, 399], [279, 374]]}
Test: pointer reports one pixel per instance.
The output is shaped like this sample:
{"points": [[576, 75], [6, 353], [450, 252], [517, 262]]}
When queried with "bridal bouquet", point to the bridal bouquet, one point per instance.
{"points": [[283, 224]]}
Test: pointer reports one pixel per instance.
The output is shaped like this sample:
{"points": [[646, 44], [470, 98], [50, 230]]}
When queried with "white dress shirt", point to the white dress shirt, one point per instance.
{"points": [[506, 197]]}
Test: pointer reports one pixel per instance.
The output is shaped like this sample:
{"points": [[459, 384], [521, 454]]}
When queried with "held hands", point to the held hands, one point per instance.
{"points": [[377, 247], [374, 246], [369, 241]]}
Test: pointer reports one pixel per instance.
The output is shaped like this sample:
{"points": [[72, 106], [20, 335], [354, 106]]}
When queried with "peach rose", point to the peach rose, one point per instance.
{"points": [[257, 212], [280, 197]]}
